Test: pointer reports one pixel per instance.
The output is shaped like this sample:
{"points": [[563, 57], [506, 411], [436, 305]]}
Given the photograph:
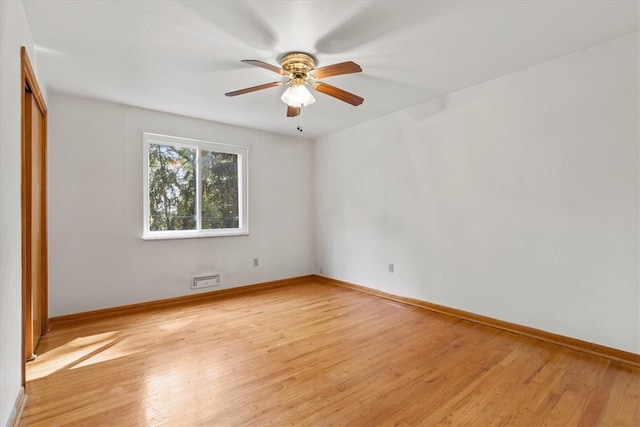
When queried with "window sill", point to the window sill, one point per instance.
{"points": [[192, 235]]}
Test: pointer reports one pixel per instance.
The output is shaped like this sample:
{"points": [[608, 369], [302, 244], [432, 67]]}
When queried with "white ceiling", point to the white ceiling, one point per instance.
{"points": [[181, 57]]}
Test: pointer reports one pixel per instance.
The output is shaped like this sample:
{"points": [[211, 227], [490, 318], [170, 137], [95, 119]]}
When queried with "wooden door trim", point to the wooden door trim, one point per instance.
{"points": [[29, 83], [29, 78]]}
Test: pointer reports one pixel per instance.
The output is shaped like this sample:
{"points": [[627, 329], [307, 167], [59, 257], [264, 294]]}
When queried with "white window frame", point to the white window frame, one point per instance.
{"points": [[243, 159]]}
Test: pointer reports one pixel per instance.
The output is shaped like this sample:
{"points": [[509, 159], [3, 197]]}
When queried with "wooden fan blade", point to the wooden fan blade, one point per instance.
{"points": [[293, 111], [336, 69], [265, 66], [338, 93], [254, 88]]}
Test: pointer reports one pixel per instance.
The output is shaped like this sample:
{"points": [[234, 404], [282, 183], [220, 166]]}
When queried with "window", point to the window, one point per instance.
{"points": [[193, 188]]}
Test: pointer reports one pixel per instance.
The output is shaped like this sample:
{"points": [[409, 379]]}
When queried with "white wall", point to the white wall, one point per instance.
{"points": [[97, 256], [515, 199], [14, 33]]}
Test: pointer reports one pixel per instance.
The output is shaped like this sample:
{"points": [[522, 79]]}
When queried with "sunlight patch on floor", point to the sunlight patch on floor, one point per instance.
{"points": [[75, 353]]}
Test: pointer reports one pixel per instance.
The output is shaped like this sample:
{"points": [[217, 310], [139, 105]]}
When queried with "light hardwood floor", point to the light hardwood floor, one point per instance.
{"points": [[314, 354]]}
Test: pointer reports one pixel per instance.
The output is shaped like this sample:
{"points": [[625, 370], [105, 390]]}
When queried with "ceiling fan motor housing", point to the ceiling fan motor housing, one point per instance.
{"points": [[299, 65]]}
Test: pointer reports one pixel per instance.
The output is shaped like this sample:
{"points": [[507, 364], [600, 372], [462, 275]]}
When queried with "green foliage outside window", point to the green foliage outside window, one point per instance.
{"points": [[172, 189], [219, 177]]}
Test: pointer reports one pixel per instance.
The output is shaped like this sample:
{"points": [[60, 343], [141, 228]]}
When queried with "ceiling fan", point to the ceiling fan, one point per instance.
{"points": [[300, 69]]}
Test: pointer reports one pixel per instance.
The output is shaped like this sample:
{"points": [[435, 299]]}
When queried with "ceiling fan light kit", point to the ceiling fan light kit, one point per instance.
{"points": [[297, 96], [300, 69]]}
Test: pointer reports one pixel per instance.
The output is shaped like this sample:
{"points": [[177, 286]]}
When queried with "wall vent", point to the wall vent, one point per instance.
{"points": [[210, 281]]}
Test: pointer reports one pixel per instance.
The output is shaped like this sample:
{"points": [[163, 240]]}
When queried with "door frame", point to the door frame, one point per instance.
{"points": [[30, 84]]}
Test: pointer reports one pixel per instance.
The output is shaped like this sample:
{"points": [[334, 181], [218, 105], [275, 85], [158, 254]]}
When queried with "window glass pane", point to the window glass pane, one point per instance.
{"points": [[219, 174], [172, 188]]}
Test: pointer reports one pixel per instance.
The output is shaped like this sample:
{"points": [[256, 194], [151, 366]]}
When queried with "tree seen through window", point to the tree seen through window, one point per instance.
{"points": [[173, 191]]}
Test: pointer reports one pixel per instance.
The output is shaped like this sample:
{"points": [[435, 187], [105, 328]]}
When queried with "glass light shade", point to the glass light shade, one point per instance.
{"points": [[297, 96]]}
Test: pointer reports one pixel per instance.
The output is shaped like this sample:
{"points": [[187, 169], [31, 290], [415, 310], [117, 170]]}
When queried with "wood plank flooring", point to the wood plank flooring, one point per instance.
{"points": [[314, 354]]}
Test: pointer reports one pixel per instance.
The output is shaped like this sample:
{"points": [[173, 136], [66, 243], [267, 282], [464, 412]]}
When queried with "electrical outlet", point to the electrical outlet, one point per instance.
{"points": [[255, 262], [321, 270], [390, 268]]}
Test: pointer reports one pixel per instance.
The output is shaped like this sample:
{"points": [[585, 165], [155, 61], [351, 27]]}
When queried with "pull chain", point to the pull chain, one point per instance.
{"points": [[299, 128]]}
